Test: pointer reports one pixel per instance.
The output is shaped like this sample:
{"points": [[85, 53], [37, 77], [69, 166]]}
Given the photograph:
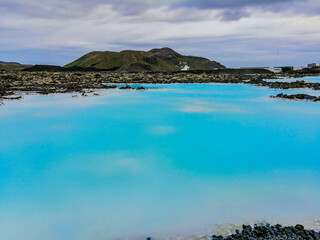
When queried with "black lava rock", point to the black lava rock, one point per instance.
{"points": [[299, 227], [267, 231], [126, 87], [303, 97], [141, 88]]}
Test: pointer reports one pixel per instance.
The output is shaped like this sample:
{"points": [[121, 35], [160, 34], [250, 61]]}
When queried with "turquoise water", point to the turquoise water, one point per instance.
{"points": [[170, 161]]}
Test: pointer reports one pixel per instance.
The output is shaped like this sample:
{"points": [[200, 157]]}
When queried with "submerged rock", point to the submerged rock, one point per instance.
{"points": [[126, 87], [12, 97], [300, 96], [141, 88], [111, 86], [214, 237]]}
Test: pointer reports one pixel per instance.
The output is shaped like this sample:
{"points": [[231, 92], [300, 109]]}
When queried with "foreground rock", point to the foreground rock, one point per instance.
{"points": [[61, 82], [263, 231], [298, 97], [271, 232]]}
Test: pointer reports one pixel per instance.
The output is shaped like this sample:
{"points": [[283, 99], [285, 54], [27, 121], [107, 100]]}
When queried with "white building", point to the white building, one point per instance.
{"points": [[282, 69], [297, 68]]}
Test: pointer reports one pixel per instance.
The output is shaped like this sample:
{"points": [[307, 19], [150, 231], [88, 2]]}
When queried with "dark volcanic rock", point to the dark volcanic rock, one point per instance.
{"points": [[301, 97], [12, 97], [288, 85], [299, 227], [111, 86], [141, 88], [126, 87], [48, 82], [271, 232]]}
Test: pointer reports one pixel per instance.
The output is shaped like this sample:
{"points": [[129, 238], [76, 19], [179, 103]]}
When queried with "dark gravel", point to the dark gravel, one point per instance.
{"points": [[271, 232]]}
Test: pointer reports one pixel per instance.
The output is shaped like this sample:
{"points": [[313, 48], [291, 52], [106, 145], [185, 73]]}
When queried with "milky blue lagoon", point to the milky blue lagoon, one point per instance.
{"points": [[170, 161]]}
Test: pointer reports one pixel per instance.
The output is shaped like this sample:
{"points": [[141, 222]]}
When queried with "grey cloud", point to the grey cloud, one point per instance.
{"points": [[52, 27], [216, 4], [69, 8], [233, 9], [239, 52], [233, 15]]}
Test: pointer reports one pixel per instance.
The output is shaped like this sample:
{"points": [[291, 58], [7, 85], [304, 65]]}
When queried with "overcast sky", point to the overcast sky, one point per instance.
{"points": [[234, 32]]}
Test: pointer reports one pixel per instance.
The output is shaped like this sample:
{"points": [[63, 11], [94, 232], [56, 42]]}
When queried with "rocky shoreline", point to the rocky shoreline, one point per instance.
{"points": [[263, 231], [12, 82], [267, 231]]}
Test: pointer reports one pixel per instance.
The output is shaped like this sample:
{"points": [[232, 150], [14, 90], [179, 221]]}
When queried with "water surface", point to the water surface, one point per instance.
{"points": [[306, 79], [170, 161]]}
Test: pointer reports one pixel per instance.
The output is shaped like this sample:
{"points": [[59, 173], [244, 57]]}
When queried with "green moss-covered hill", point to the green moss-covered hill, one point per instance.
{"points": [[164, 59]]}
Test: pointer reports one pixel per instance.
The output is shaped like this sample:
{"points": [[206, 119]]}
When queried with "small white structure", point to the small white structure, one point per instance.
{"points": [[282, 69], [185, 68], [297, 68]]}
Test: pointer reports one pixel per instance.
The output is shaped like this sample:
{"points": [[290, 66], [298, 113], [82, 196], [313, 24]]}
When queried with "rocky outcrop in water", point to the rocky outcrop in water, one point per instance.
{"points": [[126, 87], [140, 88], [13, 97], [271, 232], [298, 97]]}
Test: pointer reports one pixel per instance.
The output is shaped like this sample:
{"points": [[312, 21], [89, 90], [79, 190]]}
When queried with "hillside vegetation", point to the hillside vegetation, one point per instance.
{"points": [[164, 59]]}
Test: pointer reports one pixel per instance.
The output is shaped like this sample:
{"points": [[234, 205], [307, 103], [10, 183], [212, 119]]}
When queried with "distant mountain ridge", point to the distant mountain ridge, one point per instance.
{"points": [[13, 65], [9, 63], [162, 59]]}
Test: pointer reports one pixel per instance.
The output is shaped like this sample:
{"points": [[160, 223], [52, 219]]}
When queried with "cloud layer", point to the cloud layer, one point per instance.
{"points": [[234, 32]]}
